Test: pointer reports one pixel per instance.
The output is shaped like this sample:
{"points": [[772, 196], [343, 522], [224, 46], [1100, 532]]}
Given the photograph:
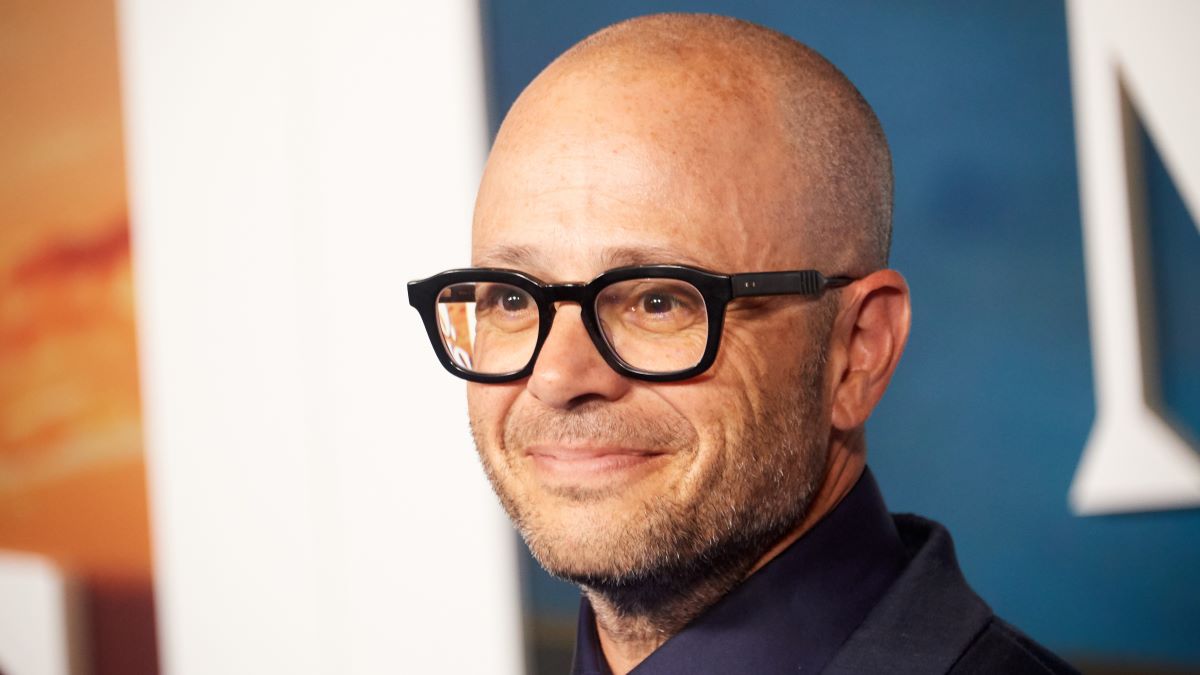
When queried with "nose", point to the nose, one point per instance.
{"points": [[569, 370]]}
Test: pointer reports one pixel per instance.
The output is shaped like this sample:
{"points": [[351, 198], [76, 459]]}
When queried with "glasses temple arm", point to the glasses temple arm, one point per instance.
{"points": [[803, 282]]}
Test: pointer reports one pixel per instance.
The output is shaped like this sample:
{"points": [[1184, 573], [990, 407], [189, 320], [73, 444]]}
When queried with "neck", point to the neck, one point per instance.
{"points": [[631, 628], [628, 637]]}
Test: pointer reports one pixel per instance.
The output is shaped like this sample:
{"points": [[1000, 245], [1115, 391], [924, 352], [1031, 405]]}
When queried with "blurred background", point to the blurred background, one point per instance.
{"points": [[72, 470], [263, 177]]}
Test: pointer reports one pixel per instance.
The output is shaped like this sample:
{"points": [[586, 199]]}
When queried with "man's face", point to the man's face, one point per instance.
{"points": [[611, 478]]}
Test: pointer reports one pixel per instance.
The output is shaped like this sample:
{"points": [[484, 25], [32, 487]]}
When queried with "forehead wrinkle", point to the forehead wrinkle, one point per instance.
{"points": [[627, 256], [531, 259]]}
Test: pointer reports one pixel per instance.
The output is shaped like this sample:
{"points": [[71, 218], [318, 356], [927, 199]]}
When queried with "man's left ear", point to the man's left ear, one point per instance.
{"points": [[869, 334]]}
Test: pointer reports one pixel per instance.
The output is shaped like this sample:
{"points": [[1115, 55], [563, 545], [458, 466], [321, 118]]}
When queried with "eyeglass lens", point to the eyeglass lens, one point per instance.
{"points": [[488, 328], [653, 325]]}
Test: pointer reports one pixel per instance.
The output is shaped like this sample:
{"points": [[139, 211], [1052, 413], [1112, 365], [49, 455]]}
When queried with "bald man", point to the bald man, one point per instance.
{"points": [[678, 320]]}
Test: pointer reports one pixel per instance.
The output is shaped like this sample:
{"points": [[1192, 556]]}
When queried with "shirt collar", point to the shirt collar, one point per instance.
{"points": [[789, 616]]}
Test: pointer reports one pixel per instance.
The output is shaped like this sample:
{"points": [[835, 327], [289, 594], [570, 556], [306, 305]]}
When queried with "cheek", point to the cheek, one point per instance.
{"points": [[487, 406], [755, 357], [765, 355], [752, 371], [718, 406], [742, 374]]}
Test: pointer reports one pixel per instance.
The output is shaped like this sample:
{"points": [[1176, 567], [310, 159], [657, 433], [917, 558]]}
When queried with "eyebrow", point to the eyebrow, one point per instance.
{"points": [[531, 259], [625, 256], [507, 255]]}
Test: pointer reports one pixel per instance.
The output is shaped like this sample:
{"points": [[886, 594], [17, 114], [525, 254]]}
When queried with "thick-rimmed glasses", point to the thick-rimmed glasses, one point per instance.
{"points": [[659, 322]]}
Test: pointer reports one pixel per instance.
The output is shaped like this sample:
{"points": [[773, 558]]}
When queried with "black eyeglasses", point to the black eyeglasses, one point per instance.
{"points": [[659, 323]]}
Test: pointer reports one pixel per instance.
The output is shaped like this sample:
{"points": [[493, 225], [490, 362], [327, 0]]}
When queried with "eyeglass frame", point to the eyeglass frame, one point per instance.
{"points": [[718, 290]]}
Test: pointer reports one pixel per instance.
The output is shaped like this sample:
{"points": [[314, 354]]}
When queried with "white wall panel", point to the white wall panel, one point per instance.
{"points": [[42, 629], [317, 506]]}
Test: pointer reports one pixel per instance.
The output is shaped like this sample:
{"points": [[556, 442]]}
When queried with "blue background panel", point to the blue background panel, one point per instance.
{"points": [[986, 418]]}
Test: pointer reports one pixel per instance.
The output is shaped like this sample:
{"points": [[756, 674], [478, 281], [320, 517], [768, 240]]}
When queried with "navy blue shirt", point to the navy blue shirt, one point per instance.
{"points": [[792, 615]]}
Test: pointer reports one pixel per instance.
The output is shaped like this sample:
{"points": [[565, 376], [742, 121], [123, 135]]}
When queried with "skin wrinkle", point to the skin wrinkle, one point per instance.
{"points": [[752, 157]]}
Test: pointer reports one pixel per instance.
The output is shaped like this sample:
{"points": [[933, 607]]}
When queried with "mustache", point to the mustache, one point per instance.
{"points": [[597, 424]]}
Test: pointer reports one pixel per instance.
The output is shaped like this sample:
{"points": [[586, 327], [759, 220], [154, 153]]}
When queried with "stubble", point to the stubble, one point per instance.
{"points": [[674, 553]]}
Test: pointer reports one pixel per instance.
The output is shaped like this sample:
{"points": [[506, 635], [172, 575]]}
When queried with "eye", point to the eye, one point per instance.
{"points": [[658, 303], [653, 304], [503, 298], [514, 301]]}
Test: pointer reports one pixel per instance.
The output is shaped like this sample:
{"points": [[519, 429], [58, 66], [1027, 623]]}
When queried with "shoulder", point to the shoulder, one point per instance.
{"points": [[931, 621], [1001, 648]]}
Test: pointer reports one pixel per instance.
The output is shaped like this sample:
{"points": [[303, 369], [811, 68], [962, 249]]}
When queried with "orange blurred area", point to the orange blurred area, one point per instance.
{"points": [[62, 174], [72, 473], [72, 479], [89, 521]]}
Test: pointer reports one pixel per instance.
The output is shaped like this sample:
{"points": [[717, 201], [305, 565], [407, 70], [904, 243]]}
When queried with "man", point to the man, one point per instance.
{"points": [[682, 436]]}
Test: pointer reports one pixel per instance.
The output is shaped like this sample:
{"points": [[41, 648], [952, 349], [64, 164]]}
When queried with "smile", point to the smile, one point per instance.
{"points": [[589, 465]]}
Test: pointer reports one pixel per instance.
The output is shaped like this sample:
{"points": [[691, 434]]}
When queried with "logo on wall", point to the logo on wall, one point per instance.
{"points": [[1125, 67]]}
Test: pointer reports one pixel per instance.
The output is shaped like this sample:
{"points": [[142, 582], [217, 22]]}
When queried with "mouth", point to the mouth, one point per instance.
{"points": [[591, 466]]}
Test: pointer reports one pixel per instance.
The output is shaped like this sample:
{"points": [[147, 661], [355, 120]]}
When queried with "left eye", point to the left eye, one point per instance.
{"points": [[654, 305]]}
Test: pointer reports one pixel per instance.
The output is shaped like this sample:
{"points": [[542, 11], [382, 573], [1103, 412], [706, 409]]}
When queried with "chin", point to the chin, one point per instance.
{"points": [[575, 558], [597, 538]]}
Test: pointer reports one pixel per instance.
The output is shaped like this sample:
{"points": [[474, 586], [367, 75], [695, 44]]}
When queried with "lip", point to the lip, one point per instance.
{"points": [[584, 465]]}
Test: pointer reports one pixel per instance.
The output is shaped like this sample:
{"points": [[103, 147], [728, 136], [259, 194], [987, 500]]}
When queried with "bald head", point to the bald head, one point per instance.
{"points": [[715, 94]]}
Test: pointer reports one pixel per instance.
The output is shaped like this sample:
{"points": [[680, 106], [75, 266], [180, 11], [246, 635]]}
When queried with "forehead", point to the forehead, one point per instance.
{"points": [[586, 178]]}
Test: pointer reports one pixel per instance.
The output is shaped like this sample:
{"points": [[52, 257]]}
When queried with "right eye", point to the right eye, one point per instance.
{"points": [[504, 298], [514, 301], [504, 305]]}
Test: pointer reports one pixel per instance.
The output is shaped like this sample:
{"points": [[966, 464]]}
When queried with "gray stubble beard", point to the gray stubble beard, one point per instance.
{"points": [[689, 556]]}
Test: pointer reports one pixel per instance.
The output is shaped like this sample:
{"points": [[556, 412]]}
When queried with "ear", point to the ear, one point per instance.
{"points": [[868, 337]]}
